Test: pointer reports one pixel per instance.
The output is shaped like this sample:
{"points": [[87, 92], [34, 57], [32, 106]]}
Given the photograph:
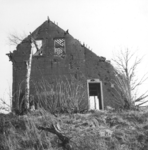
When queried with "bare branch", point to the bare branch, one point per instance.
{"points": [[15, 39], [143, 103]]}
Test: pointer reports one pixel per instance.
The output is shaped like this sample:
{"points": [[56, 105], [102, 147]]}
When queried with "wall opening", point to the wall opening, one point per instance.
{"points": [[95, 94], [37, 48], [59, 47]]}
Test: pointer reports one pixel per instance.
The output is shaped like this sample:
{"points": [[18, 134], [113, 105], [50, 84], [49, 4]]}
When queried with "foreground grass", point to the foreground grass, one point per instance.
{"points": [[127, 130]]}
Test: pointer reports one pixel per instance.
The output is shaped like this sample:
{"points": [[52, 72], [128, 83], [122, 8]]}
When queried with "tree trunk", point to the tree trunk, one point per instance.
{"points": [[54, 130], [27, 86]]}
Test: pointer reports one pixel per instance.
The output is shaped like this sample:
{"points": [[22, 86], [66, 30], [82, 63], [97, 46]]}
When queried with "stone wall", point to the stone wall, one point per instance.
{"points": [[79, 63]]}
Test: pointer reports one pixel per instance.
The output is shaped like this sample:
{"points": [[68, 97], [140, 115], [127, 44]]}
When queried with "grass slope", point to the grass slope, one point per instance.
{"points": [[108, 130]]}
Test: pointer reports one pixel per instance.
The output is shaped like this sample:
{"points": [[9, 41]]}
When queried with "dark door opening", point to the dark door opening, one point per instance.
{"points": [[95, 95]]}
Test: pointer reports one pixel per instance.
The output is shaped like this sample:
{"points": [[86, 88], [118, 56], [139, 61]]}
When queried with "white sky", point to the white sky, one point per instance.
{"points": [[104, 25]]}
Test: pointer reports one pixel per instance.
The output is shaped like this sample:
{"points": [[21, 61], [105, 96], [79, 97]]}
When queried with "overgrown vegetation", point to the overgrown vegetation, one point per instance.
{"points": [[60, 123], [63, 96], [92, 131], [56, 96]]}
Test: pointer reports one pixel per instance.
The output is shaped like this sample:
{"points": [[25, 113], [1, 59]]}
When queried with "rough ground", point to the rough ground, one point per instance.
{"points": [[108, 130]]}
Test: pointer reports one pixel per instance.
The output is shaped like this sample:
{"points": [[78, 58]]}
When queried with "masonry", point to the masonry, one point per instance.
{"points": [[59, 56]]}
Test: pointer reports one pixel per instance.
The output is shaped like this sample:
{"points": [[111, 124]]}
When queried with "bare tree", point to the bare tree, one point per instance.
{"points": [[29, 65], [15, 40], [127, 82], [27, 85]]}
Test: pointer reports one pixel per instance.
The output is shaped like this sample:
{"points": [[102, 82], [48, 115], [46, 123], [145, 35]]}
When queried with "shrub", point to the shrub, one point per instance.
{"points": [[63, 96]]}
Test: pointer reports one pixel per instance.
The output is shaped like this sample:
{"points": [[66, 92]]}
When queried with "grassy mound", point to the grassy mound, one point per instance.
{"points": [[40, 130]]}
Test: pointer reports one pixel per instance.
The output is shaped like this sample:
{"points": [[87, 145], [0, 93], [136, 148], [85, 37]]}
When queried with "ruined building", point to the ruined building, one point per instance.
{"points": [[58, 59]]}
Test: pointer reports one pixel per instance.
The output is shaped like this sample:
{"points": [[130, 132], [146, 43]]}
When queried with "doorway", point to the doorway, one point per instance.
{"points": [[95, 94]]}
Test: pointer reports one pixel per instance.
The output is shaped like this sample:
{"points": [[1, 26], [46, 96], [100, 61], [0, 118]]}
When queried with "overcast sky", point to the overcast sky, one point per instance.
{"points": [[104, 25]]}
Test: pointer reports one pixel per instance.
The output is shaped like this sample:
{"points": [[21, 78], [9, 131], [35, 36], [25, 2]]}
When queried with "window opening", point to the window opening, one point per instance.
{"points": [[95, 96], [59, 47], [37, 48]]}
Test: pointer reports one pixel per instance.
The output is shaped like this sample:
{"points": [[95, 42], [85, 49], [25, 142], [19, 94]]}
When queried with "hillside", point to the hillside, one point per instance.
{"points": [[108, 130]]}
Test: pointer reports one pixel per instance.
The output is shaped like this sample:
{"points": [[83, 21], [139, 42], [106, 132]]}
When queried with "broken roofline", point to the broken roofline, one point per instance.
{"points": [[29, 37]]}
